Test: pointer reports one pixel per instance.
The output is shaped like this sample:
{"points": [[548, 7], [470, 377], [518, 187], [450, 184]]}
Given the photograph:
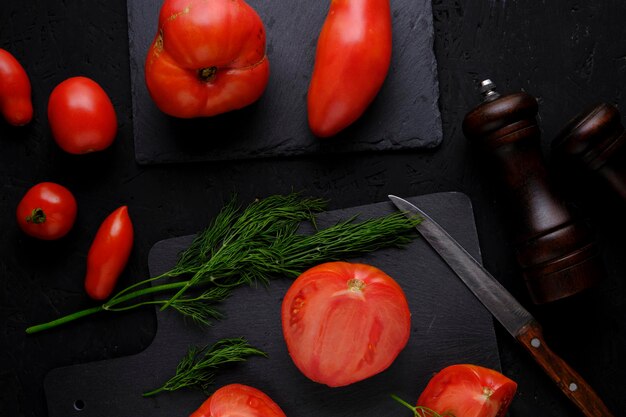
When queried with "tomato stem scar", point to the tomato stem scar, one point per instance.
{"points": [[207, 74], [37, 216], [356, 285]]}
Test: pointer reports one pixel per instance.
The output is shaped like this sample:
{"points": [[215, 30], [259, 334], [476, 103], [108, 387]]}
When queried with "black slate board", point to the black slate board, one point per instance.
{"points": [[448, 326], [405, 114]]}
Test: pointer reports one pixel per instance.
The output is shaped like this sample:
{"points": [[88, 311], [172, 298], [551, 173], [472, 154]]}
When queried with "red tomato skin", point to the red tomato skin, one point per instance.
{"points": [[351, 63], [194, 35], [15, 92], [109, 254], [344, 322], [466, 390], [238, 400], [81, 116]]}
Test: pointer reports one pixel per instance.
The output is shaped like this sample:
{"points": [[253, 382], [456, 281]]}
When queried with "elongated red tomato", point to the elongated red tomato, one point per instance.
{"points": [[240, 401], [15, 92], [344, 322], [109, 254], [468, 391], [351, 63], [81, 116], [47, 211], [208, 57]]}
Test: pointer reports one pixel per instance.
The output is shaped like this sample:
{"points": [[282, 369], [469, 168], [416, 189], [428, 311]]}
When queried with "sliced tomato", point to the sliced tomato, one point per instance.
{"points": [[240, 401], [468, 391], [344, 322]]}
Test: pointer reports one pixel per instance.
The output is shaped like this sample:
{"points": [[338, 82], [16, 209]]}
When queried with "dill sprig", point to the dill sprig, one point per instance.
{"points": [[199, 367], [248, 246], [420, 410]]}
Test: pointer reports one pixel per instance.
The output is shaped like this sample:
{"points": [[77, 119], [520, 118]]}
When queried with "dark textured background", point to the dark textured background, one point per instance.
{"points": [[570, 54]]}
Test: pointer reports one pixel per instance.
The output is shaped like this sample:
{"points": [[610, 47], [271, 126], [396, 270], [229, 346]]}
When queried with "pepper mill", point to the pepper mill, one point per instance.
{"points": [[594, 140], [557, 254]]}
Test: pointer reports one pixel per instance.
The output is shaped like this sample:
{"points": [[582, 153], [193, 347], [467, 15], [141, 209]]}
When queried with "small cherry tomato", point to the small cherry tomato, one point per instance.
{"points": [[109, 254], [15, 100], [351, 63], [81, 116], [207, 58], [47, 211], [344, 322], [238, 400], [468, 391]]}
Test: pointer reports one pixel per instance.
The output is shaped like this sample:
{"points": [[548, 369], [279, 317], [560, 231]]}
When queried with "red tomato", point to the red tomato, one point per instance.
{"points": [[344, 322], [81, 116], [109, 254], [47, 211], [15, 100], [238, 400], [351, 63], [468, 391], [208, 57]]}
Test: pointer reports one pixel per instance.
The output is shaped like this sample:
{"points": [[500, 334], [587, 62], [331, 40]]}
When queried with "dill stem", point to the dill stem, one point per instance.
{"points": [[104, 307]]}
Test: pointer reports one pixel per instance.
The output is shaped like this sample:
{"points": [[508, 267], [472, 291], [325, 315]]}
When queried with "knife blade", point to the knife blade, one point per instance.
{"points": [[507, 310]]}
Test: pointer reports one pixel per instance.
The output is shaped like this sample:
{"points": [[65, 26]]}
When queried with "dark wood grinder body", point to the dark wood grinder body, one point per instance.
{"points": [[595, 140], [557, 254]]}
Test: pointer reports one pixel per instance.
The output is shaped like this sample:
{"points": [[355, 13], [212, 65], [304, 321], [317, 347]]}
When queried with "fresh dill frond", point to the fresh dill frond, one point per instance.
{"points": [[199, 367]]}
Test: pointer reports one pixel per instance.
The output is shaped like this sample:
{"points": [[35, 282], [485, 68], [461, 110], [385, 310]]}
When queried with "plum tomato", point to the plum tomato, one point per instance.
{"points": [[344, 322], [351, 63], [81, 116], [238, 400], [15, 91], [109, 253], [469, 391], [47, 211], [207, 58]]}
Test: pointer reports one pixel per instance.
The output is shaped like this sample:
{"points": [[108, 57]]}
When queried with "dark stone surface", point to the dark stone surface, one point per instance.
{"points": [[570, 54], [440, 336], [404, 115]]}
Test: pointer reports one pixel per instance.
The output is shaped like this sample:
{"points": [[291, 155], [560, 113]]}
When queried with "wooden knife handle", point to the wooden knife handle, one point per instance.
{"points": [[567, 379]]}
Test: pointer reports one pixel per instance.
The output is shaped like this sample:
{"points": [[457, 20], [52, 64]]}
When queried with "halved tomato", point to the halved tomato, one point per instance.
{"points": [[344, 322], [468, 391], [238, 400]]}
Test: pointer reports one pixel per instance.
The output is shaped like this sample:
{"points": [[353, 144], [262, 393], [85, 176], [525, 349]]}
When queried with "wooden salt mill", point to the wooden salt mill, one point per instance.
{"points": [[595, 140], [557, 255]]}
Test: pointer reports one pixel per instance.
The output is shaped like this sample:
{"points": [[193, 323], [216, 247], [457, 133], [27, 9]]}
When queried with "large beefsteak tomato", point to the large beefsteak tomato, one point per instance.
{"points": [[351, 63], [208, 57], [344, 322], [468, 391], [238, 400]]}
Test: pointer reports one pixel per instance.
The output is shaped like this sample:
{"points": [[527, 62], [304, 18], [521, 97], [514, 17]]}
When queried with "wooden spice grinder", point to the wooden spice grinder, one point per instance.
{"points": [[556, 253], [594, 140]]}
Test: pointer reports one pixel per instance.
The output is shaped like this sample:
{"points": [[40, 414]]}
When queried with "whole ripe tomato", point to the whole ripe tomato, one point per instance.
{"points": [[208, 57], [15, 99], [468, 391], [238, 400], [351, 63], [109, 254], [81, 116], [344, 322], [47, 211]]}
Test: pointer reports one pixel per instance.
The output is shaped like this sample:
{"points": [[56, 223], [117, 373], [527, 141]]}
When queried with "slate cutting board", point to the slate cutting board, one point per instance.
{"points": [[405, 114], [448, 326]]}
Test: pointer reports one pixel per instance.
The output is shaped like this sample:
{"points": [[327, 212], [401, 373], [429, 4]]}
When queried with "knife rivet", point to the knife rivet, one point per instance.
{"points": [[535, 342], [573, 387]]}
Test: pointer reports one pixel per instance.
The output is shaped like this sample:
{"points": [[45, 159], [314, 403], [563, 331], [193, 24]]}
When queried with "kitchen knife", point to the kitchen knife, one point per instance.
{"points": [[507, 310]]}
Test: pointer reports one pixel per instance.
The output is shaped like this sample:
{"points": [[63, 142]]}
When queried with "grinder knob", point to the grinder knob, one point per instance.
{"points": [[556, 253], [595, 140]]}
